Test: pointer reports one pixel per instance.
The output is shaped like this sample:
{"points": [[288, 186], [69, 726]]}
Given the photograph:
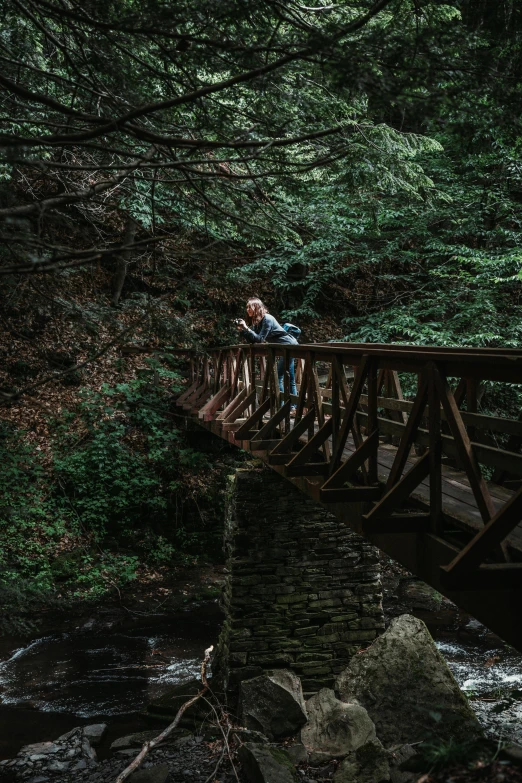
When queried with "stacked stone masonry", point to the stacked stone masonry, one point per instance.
{"points": [[303, 592]]}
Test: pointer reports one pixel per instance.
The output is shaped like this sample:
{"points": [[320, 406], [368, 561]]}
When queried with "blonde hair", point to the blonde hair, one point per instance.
{"points": [[255, 304]]}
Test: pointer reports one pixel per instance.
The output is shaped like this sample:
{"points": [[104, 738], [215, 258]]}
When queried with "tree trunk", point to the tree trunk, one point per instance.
{"points": [[122, 263]]}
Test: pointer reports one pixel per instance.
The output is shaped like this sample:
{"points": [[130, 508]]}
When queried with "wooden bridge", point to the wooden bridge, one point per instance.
{"points": [[407, 474]]}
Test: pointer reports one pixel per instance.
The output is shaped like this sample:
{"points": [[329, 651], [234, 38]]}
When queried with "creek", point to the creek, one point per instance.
{"points": [[103, 674], [98, 674]]}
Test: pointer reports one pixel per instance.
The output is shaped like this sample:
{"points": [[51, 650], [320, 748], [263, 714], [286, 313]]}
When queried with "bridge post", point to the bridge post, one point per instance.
{"points": [[302, 592]]}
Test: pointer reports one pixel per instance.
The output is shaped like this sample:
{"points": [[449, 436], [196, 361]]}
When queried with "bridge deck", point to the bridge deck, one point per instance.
{"points": [[423, 500], [458, 501]]}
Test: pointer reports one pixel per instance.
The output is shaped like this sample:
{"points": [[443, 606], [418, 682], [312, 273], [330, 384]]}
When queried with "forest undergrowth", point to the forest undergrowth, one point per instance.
{"points": [[356, 166]]}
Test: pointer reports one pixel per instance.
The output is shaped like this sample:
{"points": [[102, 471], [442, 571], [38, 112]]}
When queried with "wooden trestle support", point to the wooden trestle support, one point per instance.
{"points": [[392, 469]]}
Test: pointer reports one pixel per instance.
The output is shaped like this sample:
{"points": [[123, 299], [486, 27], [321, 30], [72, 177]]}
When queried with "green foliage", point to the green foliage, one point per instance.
{"points": [[30, 531], [115, 499]]}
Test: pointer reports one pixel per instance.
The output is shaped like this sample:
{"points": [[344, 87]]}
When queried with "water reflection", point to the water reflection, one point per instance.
{"points": [[92, 673]]}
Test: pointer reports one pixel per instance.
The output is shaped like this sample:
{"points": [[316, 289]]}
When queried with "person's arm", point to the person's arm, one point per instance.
{"points": [[244, 331], [259, 337], [266, 328]]}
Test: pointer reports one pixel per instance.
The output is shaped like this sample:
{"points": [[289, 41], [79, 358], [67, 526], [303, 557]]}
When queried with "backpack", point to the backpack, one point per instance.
{"points": [[293, 330]]}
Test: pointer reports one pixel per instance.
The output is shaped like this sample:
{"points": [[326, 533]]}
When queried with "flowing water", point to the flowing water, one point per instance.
{"points": [[62, 680], [59, 681], [487, 670], [490, 674]]}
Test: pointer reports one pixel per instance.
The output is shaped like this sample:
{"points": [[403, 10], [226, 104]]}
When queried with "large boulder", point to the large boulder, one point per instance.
{"points": [[166, 707], [273, 703], [407, 688], [368, 764], [265, 764], [95, 732], [335, 728]]}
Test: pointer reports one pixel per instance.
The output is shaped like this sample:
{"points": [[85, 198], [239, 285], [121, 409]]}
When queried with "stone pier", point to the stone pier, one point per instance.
{"points": [[303, 592]]}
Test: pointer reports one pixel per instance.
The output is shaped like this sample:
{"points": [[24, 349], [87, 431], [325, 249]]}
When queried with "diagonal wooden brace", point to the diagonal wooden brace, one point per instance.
{"points": [[209, 408], [272, 423], [313, 444], [349, 468], [487, 539], [299, 428], [402, 490], [245, 432]]}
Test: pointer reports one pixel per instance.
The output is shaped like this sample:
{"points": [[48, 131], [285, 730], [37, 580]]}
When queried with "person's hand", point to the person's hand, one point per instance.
{"points": [[241, 324]]}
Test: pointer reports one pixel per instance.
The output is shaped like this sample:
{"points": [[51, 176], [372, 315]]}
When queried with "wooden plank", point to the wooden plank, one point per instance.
{"points": [[480, 421], [464, 448], [395, 496], [302, 392], [215, 402], [266, 378], [487, 539], [263, 445], [348, 469], [195, 405], [192, 388], [236, 367], [295, 433], [341, 377], [313, 444], [217, 374], [455, 478], [374, 383], [350, 494], [197, 392], [308, 469], [336, 402], [395, 386], [319, 405], [349, 415], [458, 502], [435, 452], [231, 407], [409, 431], [398, 523], [274, 420], [244, 432], [242, 407], [279, 459], [230, 426], [486, 454], [286, 386], [195, 397]]}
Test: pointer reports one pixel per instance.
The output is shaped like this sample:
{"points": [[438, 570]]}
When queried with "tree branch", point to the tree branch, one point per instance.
{"points": [[165, 733]]}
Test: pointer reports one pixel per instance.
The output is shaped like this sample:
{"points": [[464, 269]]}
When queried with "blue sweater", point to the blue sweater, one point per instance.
{"points": [[268, 330]]}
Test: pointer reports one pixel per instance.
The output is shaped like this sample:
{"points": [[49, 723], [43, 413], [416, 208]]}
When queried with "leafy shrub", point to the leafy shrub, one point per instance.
{"points": [[115, 498]]}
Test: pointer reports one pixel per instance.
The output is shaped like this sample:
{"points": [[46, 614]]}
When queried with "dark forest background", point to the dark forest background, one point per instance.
{"points": [[355, 164]]}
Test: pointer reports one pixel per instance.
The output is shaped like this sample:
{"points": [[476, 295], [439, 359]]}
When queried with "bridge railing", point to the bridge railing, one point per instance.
{"points": [[349, 402]]}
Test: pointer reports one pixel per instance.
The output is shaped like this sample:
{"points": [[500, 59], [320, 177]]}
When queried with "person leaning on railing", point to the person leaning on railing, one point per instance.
{"points": [[266, 329]]}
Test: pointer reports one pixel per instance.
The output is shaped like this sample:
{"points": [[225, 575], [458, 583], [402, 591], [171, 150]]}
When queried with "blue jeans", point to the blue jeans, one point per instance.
{"points": [[281, 375]]}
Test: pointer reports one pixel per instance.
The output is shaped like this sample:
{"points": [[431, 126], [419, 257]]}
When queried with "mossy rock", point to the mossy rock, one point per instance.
{"points": [[265, 764], [406, 686]]}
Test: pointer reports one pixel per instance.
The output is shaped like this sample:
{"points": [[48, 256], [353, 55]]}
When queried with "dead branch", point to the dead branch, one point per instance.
{"points": [[165, 733]]}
